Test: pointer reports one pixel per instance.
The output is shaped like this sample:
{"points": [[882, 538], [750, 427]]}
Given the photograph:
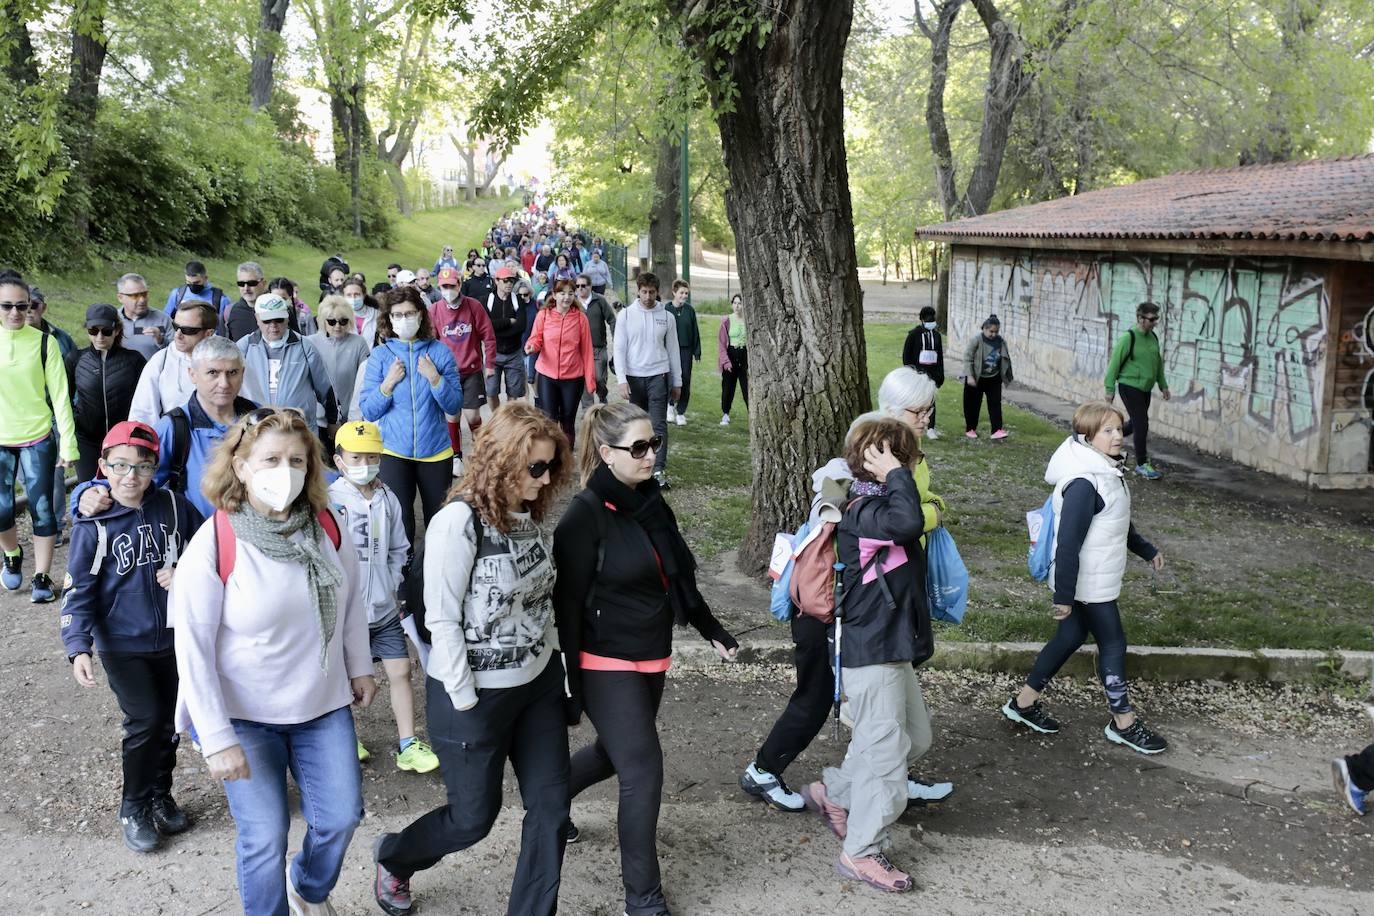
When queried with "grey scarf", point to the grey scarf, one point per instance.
{"points": [[272, 537]]}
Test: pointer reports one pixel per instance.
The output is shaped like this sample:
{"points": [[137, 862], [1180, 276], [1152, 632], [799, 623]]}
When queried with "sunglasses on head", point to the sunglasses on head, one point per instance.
{"points": [[641, 447], [262, 413], [187, 330], [540, 468], [100, 332], [17, 306], [336, 322]]}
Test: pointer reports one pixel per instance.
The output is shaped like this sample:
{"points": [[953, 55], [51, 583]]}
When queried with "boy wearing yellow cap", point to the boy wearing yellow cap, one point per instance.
{"points": [[372, 519]]}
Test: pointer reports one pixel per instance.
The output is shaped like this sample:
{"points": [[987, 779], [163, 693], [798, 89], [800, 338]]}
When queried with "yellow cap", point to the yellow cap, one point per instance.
{"points": [[359, 436]]}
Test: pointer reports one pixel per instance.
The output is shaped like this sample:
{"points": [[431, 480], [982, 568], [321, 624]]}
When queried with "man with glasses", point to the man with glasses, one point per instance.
{"points": [[242, 320], [146, 330], [508, 324], [283, 369], [166, 379], [601, 317], [1135, 367], [36, 398]]}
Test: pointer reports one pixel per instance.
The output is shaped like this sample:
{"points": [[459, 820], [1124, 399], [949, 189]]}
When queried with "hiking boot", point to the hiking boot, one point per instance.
{"points": [[140, 833], [1033, 716], [13, 575], [417, 758], [43, 590], [393, 893], [971, 434], [1350, 793], [1137, 737], [874, 870], [835, 817], [363, 753], [1148, 471], [299, 906], [725, 419], [168, 816], [570, 833], [771, 789], [1000, 434], [920, 793]]}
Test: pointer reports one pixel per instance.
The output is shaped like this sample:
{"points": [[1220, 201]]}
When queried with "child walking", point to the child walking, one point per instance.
{"points": [[122, 560], [372, 518]]}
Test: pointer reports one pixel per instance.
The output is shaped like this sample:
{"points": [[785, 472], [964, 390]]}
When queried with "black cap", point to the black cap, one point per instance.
{"points": [[101, 315]]}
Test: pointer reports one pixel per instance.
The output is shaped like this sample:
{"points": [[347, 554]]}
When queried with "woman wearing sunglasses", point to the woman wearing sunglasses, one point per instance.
{"points": [[343, 350], [496, 683], [105, 376], [625, 576]]}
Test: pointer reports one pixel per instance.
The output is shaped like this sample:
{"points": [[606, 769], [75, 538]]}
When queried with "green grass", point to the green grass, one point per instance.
{"points": [[419, 241], [1235, 576]]}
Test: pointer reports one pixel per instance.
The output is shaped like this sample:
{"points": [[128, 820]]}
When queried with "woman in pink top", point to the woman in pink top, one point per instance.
{"points": [[563, 339]]}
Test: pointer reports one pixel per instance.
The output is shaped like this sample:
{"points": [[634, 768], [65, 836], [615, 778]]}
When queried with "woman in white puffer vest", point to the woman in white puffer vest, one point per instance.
{"points": [[1093, 532]]}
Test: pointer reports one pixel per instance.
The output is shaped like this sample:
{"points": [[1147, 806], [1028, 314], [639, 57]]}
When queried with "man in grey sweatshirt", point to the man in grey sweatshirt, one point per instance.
{"points": [[648, 361]]}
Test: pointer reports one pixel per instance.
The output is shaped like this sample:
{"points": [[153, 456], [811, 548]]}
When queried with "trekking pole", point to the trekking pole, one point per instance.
{"points": [[839, 633]]}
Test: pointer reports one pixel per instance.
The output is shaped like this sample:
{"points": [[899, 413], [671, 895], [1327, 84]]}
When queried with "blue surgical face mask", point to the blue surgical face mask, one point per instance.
{"points": [[929, 325], [357, 303]]}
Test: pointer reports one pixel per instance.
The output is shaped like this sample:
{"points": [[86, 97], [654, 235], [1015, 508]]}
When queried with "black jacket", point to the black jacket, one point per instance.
{"points": [[601, 317], [103, 389], [888, 618], [918, 339], [478, 288]]}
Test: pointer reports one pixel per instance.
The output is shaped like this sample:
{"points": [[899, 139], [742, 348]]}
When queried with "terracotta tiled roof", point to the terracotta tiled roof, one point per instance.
{"points": [[1324, 200]]}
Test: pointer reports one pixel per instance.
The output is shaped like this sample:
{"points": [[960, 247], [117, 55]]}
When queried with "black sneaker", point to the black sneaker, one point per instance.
{"points": [[570, 833], [168, 816], [1033, 716], [140, 834], [1137, 737]]}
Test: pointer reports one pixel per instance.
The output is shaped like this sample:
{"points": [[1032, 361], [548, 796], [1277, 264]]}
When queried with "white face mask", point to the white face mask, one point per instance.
{"points": [[449, 293], [278, 343], [406, 326], [277, 487], [929, 325], [357, 303], [361, 474]]}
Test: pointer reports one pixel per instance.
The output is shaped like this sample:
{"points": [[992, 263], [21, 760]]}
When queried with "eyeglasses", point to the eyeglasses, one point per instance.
{"points": [[122, 468], [1153, 319], [337, 322], [244, 284], [505, 279], [273, 320], [17, 306], [135, 296], [540, 468], [187, 330], [100, 332], [919, 412], [641, 447]]}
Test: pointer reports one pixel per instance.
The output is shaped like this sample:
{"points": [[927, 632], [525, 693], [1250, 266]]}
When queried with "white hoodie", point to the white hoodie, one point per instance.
{"points": [[1102, 559], [375, 529]]}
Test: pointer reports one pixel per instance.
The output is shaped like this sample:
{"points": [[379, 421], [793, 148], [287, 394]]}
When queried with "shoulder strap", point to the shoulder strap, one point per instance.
{"points": [[181, 294], [330, 524], [1130, 350], [43, 365], [181, 449], [102, 547], [598, 510], [226, 545]]}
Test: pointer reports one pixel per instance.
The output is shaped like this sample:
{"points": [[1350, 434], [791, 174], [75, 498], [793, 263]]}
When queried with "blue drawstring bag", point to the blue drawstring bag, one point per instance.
{"points": [[780, 596], [1040, 524], [946, 577]]}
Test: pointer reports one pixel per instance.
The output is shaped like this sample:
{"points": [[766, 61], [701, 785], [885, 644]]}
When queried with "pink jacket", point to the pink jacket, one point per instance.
{"points": [[723, 341], [564, 345]]}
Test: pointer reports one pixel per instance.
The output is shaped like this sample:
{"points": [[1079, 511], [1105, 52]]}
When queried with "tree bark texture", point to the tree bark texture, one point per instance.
{"points": [[271, 17], [88, 56], [789, 206], [20, 66], [663, 214]]}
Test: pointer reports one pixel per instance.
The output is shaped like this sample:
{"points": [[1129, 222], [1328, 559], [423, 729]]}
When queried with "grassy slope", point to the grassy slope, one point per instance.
{"points": [[1235, 577], [419, 241]]}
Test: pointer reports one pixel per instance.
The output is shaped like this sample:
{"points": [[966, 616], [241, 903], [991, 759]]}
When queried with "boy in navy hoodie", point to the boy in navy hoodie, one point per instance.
{"points": [[115, 599]]}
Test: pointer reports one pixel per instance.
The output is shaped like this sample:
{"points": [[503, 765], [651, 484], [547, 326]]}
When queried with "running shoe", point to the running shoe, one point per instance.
{"points": [[874, 870], [835, 817], [1148, 471], [418, 757], [570, 833], [682, 419], [168, 816], [1000, 434], [725, 419], [672, 414], [13, 575], [140, 834], [919, 792], [662, 479], [299, 906], [392, 893], [1137, 737], [971, 434], [768, 788], [43, 590], [1033, 716], [1350, 793], [932, 434], [457, 465], [363, 753]]}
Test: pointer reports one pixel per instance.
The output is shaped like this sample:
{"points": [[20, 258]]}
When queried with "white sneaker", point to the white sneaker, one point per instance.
{"points": [[457, 466], [672, 414], [771, 789], [919, 792], [932, 434], [725, 420], [299, 906], [682, 419]]}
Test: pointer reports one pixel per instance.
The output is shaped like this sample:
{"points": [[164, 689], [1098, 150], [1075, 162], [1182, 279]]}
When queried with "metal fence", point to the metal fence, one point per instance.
{"points": [[616, 257]]}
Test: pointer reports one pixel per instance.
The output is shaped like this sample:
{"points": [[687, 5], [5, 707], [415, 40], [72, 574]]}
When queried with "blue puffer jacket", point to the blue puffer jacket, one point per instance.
{"points": [[412, 419], [117, 603]]}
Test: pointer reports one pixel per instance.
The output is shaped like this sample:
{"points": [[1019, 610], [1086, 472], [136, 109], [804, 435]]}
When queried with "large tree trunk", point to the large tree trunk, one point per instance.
{"points": [[789, 206], [88, 57], [20, 65], [350, 129], [271, 17], [663, 214]]}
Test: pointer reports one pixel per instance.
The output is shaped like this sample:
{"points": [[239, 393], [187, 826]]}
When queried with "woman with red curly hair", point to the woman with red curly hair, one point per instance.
{"points": [[496, 682]]}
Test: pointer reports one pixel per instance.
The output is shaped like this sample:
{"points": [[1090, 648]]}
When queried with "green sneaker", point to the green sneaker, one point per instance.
{"points": [[1148, 471], [363, 753], [417, 758]]}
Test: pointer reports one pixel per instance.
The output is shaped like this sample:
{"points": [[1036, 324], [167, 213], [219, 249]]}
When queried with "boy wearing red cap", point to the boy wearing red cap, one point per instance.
{"points": [[119, 569]]}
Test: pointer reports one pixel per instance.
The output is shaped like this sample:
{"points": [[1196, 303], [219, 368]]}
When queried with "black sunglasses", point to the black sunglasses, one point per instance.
{"points": [[17, 306], [336, 322], [100, 332], [244, 283], [187, 330], [583, 285], [273, 320], [641, 447], [540, 468]]}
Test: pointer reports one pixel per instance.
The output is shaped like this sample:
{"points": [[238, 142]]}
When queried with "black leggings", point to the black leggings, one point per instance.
{"points": [[1103, 620], [404, 477], [558, 398], [623, 705], [1137, 404], [146, 687], [809, 704], [973, 402], [738, 371], [1361, 767]]}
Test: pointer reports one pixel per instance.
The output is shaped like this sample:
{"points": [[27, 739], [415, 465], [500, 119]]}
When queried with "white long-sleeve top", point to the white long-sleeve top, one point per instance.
{"points": [[165, 383], [372, 522], [250, 648], [646, 344]]}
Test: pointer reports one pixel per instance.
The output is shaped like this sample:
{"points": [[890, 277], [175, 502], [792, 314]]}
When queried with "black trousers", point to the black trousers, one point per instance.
{"points": [[1137, 404], [558, 398], [146, 687], [685, 395], [87, 463], [1103, 620], [1361, 767], [431, 478], [623, 706], [526, 726], [810, 702], [973, 402], [738, 372]]}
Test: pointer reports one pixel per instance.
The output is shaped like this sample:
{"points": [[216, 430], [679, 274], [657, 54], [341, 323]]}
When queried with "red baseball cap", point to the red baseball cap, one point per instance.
{"points": [[504, 273], [448, 275], [131, 432]]}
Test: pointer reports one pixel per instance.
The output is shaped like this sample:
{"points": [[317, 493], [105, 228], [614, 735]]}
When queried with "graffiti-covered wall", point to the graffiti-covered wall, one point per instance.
{"points": [[1244, 340]]}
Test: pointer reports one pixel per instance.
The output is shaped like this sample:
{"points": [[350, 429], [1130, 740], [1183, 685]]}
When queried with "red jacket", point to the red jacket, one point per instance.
{"points": [[564, 345], [462, 327]]}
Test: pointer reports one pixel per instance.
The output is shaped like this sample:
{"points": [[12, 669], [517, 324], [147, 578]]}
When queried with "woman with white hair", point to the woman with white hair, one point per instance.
{"points": [[904, 395], [343, 350]]}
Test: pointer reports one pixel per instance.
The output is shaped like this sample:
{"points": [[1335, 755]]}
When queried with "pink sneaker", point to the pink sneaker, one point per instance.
{"points": [[1000, 434], [971, 434], [835, 817], [875, 870]]}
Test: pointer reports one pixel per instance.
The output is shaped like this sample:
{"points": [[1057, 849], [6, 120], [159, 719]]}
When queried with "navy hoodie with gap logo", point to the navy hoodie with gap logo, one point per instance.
{"points": [[112, 598]]}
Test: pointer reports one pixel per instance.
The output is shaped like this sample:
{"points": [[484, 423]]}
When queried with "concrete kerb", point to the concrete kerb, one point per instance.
{"points": [[1155, 663]]}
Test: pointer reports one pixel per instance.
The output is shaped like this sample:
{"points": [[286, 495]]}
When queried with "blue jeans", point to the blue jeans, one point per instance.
{"points": [[37, 463], [322, 756]]}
